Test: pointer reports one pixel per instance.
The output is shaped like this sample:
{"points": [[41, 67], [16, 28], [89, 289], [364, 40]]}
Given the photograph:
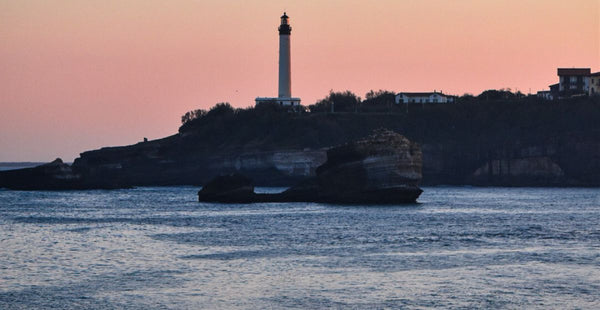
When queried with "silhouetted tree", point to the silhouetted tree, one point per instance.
{"points": [[220, 109], [336, 102], [494, 94], [378, 101], [466, 98], [192, 115]]}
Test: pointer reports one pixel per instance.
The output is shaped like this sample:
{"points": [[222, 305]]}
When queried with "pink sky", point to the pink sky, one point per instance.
{"points": [[78, 75]]}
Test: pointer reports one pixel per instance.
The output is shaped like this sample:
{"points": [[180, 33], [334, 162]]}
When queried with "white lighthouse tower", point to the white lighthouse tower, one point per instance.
{"points": [[284, 95], [285, 79]]}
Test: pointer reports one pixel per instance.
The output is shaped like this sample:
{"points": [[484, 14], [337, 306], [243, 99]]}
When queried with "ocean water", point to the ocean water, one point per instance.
{"points": [[157, 248]]}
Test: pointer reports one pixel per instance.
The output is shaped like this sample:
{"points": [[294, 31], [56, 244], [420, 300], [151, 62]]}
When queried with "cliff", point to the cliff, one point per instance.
{"points": [[487, 143]]}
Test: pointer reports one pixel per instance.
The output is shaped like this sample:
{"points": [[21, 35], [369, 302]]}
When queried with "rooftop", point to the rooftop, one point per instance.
{"points": [[424, 94], [574, 71]]}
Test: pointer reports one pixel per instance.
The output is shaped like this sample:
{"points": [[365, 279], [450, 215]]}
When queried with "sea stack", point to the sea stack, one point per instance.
{"points": [[384, 168]]}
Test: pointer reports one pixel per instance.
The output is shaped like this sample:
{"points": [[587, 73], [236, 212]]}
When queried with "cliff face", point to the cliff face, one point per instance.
{"points": [[281, 167], [171, 161], [381, 161], [570, 160], [520, 171]]}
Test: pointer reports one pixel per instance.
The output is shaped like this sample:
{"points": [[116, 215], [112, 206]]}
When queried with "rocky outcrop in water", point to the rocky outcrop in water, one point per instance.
{"points": [[55, 175], [383, 168], [228, 188]]}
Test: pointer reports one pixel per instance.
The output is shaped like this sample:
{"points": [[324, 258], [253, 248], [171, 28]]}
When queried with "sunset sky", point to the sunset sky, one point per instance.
{"points": [[78, 75]]}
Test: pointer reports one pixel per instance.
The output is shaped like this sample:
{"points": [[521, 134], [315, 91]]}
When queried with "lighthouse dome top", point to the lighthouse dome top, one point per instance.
{"points": [[284, 19], [284, 28]]}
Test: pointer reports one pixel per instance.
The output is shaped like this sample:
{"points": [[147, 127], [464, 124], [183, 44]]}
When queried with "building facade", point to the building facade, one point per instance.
{"points": [[545, 94], [573, 81], [284, 95], [432, 97], [595, 84]]}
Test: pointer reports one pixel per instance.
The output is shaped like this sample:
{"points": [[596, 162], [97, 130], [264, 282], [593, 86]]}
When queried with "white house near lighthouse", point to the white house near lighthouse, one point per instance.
{"points": [[284, 96]]}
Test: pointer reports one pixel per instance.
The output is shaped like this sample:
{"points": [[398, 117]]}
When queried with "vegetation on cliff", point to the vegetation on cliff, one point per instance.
{"points": [[492, 118], [459, 138]]}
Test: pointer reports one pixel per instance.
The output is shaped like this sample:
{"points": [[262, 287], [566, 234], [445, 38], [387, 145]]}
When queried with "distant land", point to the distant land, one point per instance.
{"points": [[498, 138], [17, 165]]}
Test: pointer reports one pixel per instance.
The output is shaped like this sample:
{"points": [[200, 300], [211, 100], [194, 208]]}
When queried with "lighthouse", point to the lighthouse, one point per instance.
{"points": [[284, 94], [285, 78]]}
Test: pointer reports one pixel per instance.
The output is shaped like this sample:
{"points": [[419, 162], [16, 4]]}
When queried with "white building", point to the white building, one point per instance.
{"points": [[432, 97], [285, 76], [595, 84], [545, 94]]}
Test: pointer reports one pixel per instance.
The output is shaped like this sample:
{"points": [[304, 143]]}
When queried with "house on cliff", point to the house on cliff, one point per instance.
{"points": [[545, 94], [595, 84], [573, 82], [549, 94]]}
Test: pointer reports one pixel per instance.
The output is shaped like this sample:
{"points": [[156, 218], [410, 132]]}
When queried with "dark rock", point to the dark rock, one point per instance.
{"points": [[384, 168], [55, 175], [228, 188]]}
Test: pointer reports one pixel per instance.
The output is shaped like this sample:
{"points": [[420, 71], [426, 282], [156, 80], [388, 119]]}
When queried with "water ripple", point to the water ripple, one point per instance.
{"points": [[157, 248]]}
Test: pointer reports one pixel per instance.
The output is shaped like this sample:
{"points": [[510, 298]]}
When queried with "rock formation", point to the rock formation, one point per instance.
{"points": [[55, 175], [228, 188], [383, 168]]}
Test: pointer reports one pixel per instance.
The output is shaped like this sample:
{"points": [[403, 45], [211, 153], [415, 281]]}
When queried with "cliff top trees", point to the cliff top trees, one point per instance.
{"points": [[345, 101]]}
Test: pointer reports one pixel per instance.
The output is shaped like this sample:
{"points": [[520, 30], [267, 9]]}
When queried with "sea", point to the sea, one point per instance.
{"points": [[158, 248]]}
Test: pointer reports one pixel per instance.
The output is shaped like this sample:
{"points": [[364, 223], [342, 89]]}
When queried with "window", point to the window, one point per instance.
{"points": [[573, 79]]}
